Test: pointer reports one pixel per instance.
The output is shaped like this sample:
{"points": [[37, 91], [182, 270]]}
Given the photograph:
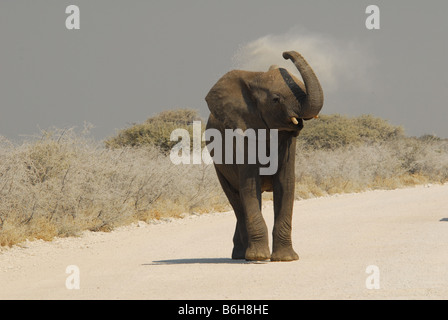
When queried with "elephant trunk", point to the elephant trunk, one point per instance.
{"points": [[314, 94]]}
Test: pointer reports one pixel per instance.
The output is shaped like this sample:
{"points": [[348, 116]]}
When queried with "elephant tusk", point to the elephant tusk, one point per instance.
{"points": [[294, 120]]}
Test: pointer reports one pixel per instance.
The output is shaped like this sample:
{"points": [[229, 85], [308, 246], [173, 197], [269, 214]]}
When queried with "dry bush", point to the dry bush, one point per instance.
{"points": [[63, 183], [337, 154], [387, 165]]}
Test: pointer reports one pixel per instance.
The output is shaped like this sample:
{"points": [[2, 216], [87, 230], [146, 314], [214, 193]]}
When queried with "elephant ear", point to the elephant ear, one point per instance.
{"points": [[232, 103]]}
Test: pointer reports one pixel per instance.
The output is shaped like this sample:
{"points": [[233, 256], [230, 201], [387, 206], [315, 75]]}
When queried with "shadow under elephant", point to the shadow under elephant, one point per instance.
{"points": [[201, 261]]}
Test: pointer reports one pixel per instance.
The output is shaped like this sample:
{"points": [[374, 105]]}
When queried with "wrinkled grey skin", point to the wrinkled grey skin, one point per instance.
{"points": [[263, 100]]}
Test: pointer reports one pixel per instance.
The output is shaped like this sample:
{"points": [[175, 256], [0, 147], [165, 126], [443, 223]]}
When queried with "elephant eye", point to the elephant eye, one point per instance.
{"points": [[276, 99]]}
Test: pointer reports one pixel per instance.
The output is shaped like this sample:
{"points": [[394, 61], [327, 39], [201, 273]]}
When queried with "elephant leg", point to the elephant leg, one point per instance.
{"points": [[250, 195], [282, 249], [240, 236], [284, 185]]}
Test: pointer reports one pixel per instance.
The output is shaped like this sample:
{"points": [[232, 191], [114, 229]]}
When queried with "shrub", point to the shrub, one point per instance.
{"points": [[335, 131], [155, 130]]}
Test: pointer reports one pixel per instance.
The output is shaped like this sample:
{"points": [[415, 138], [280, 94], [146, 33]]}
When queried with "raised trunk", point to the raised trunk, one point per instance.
{"points": [[314, 94]]}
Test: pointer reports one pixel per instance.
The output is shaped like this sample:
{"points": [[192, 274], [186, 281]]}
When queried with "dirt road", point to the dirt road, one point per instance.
{"points": [[401, 234]]}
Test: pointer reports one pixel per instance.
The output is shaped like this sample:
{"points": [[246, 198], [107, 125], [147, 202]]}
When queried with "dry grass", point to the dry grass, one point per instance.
{"points": [[61, 183]]}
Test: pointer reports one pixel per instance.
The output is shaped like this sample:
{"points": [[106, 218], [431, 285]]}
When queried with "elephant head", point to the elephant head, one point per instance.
{"points": [[267, 100]]}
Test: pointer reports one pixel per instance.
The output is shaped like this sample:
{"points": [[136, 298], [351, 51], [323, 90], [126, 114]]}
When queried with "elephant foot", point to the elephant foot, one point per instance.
{"points": [[284, 254], [257, 254]]}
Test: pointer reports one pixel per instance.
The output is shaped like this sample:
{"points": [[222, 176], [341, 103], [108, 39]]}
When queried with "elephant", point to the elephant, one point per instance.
{"points": [[269, 100]]}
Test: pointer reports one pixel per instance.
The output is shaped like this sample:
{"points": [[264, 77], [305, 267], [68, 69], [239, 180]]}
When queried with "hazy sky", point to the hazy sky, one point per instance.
{"points": [[131, 59]]}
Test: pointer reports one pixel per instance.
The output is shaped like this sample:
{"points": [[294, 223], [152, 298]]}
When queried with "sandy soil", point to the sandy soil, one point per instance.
{"points": [[404, 233]]}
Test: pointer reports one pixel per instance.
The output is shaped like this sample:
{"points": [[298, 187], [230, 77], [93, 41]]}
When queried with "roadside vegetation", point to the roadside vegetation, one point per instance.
{"points": [[62, 182]]}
